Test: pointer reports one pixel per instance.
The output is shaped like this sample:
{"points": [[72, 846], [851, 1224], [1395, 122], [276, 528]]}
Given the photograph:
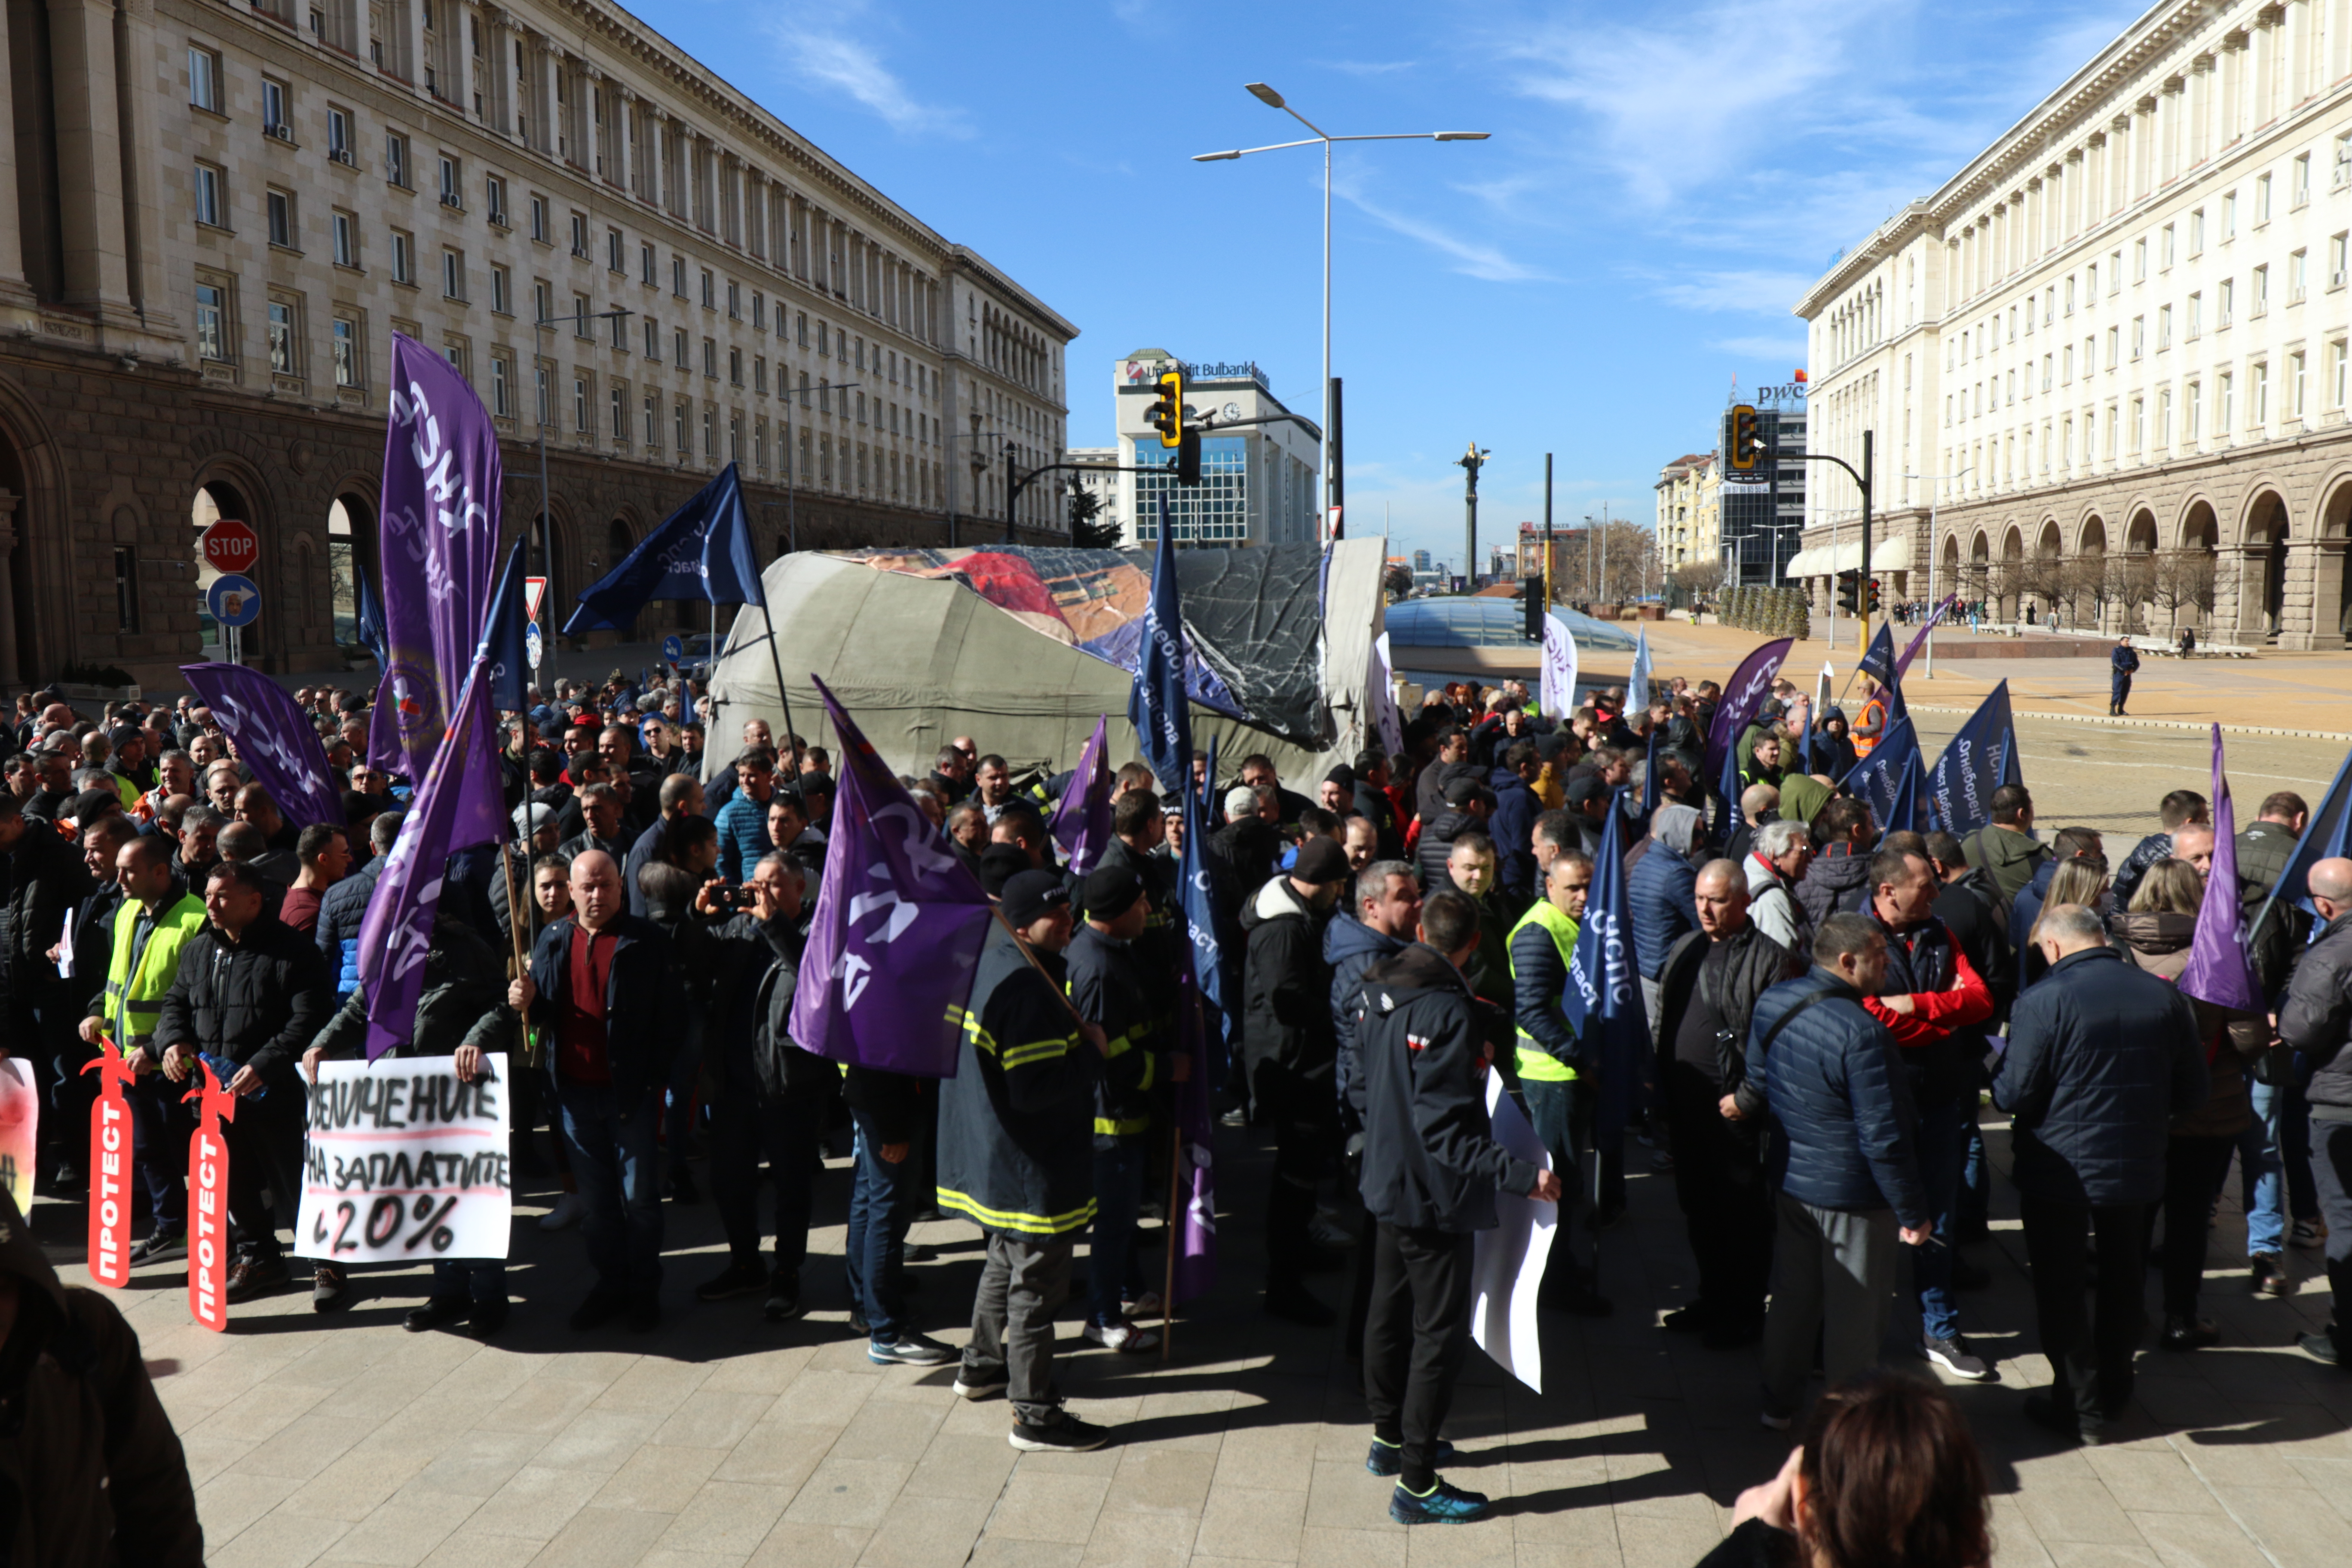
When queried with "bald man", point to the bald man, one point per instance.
{"points": [[2316, 1019]]}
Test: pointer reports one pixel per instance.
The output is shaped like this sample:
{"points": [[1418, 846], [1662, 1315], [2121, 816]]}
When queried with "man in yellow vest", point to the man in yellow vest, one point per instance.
{"points": [[157, 917], [1555, 1077]]}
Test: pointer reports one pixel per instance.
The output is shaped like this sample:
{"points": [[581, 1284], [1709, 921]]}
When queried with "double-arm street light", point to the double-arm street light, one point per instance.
{"points": [[1274, 99]]}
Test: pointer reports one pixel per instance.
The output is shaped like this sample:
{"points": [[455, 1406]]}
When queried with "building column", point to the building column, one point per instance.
{"points": [[89, 159], [657, 157], [626, 137], [144, 207], [13, 290], [2311, 614], [10, 677], [2240, 591]]}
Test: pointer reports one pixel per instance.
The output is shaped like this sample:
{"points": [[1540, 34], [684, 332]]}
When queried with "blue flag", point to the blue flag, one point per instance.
{"points": [[502, 637], [371, 615], [1653, 787], [1157, 706], [1981, 757], [2326, 836], [1213, 952], [1889, 781], [1878, 660], [702, 552], [1603, 999]]}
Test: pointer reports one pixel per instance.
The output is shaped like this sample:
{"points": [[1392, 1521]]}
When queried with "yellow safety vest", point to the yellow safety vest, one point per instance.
{"points": [[1536, 1064], [136, 981]]}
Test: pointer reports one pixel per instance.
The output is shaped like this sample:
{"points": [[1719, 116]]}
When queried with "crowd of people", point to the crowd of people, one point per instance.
{"points": [[1830, 1004]]}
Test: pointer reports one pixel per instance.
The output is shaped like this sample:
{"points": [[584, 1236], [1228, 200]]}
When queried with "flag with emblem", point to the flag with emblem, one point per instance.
{"points": [[272, 737]]}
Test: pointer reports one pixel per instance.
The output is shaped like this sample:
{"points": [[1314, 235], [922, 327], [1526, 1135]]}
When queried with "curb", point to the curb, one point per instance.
{"points": [[2150, 723]]}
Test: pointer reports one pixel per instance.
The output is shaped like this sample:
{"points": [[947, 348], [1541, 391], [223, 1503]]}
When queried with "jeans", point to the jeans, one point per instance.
{"points": [[746, 1129], [2194, 1170], [160, 1129], [2331, 1169], [611, 1143], [1012, 1320], [880, 1200], [1112, 1275], [1943, 1156], [460, 1279], [2261, 1173], [1414, 1341], [1833, 1272], [2090, 1353], [1975, 1206]]}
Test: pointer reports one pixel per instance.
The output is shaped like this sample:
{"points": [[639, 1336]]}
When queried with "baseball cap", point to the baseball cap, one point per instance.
{"points": [[1031, 895], [1109, 892], [1584, 788], [1321, 859]]}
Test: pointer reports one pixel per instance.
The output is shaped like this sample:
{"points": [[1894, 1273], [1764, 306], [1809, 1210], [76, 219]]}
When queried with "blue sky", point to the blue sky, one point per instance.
{"points": [[1663, 181]]}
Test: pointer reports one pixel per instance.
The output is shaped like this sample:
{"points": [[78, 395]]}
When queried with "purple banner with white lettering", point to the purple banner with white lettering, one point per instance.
{"points": [[1082, 816], [272, 737], [900, 922], [1751, 684], [457, 807], [2219, 970], [439, 525]]}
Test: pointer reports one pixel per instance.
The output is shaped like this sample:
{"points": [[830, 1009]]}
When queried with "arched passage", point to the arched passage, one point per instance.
{"points": [[2332, 585], [217, 498], [2262, 570]]}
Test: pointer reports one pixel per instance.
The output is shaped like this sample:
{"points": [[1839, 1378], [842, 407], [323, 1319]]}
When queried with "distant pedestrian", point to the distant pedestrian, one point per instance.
{"points": [[2124, 663]]}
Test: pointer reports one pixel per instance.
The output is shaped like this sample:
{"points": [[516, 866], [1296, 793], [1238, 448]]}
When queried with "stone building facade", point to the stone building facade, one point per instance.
{"points": [[219, 214], [2108, 358]]}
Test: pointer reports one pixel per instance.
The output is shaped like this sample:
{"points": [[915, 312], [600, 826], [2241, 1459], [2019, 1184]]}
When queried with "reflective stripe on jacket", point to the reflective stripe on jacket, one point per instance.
{"points": [[136, 980]]}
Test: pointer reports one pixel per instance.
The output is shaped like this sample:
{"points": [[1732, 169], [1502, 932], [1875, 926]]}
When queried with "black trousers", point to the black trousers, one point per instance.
{"points": [[1301, 1109], [746, 1130], [265, 1149], [2331, 1169], [1414, 1339], [2194, 1170], [1725, 1202], [2090, 1353]]}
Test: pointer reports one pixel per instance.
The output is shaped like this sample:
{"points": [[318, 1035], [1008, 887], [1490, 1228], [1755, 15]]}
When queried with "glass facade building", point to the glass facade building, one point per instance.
{"points": [[1212, 514], [1758, 544]]}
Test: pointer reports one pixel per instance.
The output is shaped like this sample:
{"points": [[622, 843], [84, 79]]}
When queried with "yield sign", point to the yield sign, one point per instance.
{"points": [[532, 587]]}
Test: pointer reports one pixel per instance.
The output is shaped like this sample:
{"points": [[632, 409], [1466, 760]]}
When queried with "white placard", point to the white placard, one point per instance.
{"points": [[405, 1163], [1507, 1266]]}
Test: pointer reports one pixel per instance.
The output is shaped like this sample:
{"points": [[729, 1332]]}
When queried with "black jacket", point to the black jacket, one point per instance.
{"points": [[463, 1002], [1286, 984], [2316, 1019], [1373, 805], [259, 1001], [643, 1000], [1016, 1142], [755, 967], [40, 879], [2102, 1056], [1107, 986], [2275, 939], [1972, 910], [1436, 846], [1430, 1161], [1745, 964], [1350, 947]]}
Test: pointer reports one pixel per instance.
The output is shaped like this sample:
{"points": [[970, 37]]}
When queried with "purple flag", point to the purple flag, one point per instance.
{"points": [[1911, 651], [457, 807], [1196, 1256], [2219, 969], [898, 929], [439, 525], [1082, 816], [272, 737], [1751, 683]]}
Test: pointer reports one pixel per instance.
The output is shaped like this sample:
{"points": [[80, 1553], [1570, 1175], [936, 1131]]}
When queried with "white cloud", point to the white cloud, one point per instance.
{"points": [[1763, 292], [832, 61], [1470, 258]]}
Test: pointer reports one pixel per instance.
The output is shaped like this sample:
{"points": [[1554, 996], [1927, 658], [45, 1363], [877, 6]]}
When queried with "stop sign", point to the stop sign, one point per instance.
{"points": [[229, 545]]}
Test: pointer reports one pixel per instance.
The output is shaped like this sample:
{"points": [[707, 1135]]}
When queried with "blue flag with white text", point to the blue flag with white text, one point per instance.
{"points": [[1602, 998], [1981, 757], [1157, 705], [702, 550], [1889, 781], [503, 647]]}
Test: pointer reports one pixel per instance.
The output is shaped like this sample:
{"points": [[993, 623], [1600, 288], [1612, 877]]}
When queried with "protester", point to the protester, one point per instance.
{"points": [[2005, 848], [2123, 663], [1659, 895], [681, 798], [2175, 811], [1838, 879], [1775, 866], [325, 857], [1558, 1076], [2316, 1018]]}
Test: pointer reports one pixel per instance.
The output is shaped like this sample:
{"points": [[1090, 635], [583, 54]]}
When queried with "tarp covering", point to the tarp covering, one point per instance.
{"points": [[921, 652]]}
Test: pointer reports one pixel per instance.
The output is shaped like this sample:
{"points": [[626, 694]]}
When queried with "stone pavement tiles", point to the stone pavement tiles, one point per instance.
{"points": [[723, 1440]]}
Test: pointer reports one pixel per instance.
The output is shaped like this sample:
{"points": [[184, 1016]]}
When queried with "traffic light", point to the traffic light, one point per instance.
{"points": [[1533, 596], [1188, 458], [1850, 592], [1874, 595], [1745, 445], [1167, 414]]}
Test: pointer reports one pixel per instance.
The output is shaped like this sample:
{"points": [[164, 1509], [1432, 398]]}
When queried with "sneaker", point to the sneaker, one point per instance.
{"points": [[739, 1277], [1294, 1303], [783, 1296], [252, 1276], [1065, 1434], [2188, 1334], [487, 1319], [1691, 1320], [564, 1214], [330, 1291], [1443, 1503], [1237, 1117], [1387, 1460], [2307, 1233], [908, 1348], [2269, 1274], [2043, 1411], [978, 1383], [643, 1315], [2319, 1347], [164, 1241], [1148, 1305], [1954, 1357], [438, 1312], [1122, 1336], [600, 1308]]}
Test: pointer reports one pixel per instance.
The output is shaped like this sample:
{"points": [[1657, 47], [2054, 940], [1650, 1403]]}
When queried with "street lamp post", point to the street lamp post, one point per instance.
{"points": [[1273, 99], [546, 390], [1933, 497]]}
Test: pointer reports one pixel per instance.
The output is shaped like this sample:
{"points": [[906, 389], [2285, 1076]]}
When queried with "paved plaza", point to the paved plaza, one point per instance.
{"points": [[723, 1439]]}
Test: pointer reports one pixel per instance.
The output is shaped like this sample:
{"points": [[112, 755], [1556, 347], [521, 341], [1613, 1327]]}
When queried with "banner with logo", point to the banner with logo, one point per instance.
{"points": [[272, 737], [208, 1246]]}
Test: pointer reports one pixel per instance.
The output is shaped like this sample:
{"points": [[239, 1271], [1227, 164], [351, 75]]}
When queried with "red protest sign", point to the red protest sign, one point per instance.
{"points": [[230, 546], [209, 1203], [109, 1169]]}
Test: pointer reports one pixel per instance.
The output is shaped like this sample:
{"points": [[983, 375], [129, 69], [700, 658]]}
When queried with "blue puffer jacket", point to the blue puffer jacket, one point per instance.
{"points": [[2102, 1057], [1841, 1100], [742, 838], [1663, 893], [1350, 947], [338, 931], [1513, 828]]}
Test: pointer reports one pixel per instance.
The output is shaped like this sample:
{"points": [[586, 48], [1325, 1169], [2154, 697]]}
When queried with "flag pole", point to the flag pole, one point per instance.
{"points": [[1174, 1234]]}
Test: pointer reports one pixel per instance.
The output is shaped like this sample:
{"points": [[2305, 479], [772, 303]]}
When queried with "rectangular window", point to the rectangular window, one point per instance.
{"points": [[2163, 328], [2297, 276], [710, 291], [801, 319], [652, 424], [646, 274], [2196, 309], [613, 251], [2228, 409], [2070, 294], [501, 291], [281, 218], [579, 404], [2139, 325], [2260, 301], [2299, 186], [711, 358], [2336, 358], [203, 79], [2194, 413], [403, 259], [212, 322], [678, 347], [734, 300], [2139, 425], [2341, 170], [453, 274], [758, 311], [2228, 217], [2224, 300], [209, 204], [678, 428], [453, 187], [580, 235], [538, 380], [539, 218], [2261, 200], [542, 303], [347, 239], [276, 121], [760, 374], [339, 136], [281, 338], [653, 346], [2164, 247], [619, 401], [2261, 408], [347, 351], [494, 199], [2197, 233], [501, 386], [2337, 246], [2294, 383], [620, 324], [2114, 345], [709, 432], [126, 588], [396, 159], [2139, 261], [678, 276], [579, 316]]}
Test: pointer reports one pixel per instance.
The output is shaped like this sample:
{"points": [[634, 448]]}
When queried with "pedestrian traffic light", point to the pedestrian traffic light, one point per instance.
{"points": [[1167, 414], [1850, 592], [1745, 445], [1188, 458], [1874, 595], [1533, 596]]}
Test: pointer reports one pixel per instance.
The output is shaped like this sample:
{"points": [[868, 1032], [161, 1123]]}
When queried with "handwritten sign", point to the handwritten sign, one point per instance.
{"points": [[208, 1201], [405, 1162], [110, 1170]]}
